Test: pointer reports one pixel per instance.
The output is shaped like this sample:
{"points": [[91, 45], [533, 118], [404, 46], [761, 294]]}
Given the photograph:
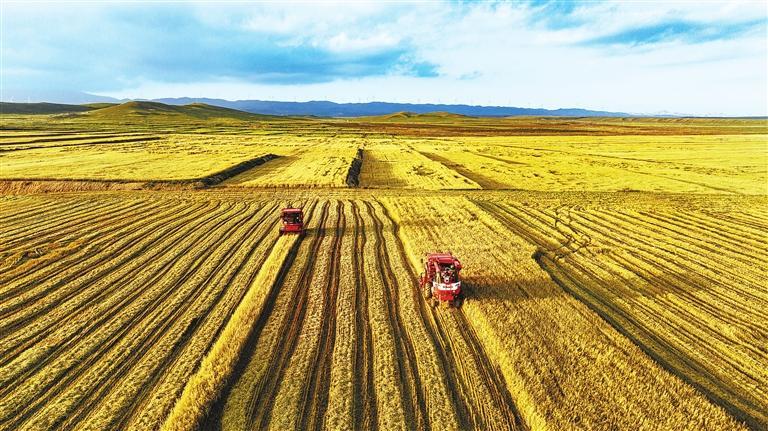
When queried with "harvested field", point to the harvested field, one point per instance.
{"points": [[612, 280], [116, 303], [687, 286]]}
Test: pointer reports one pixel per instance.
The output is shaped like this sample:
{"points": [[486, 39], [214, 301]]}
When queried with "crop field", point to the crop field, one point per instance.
{"points": [[614, 278]]}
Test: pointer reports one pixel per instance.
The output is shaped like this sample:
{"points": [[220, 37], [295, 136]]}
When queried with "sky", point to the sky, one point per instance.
{"points": [[699, 58]]}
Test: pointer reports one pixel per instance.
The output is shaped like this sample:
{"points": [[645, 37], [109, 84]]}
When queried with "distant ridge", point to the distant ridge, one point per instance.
{"points": [[332, 109], [41, 108], [145, 109]]}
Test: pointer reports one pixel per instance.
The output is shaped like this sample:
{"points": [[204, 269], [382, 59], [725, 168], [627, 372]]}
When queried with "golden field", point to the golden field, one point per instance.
{"points": [[615, 273]]}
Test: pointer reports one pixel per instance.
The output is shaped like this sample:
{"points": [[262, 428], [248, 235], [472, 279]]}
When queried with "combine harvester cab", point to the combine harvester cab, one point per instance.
{"points": [[293, 221], [440, 280]]}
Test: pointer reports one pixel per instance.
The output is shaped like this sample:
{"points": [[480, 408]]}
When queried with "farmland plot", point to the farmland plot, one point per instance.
{"points": [[309, 164], [687, 285], [127, 157], [108, 304], [398, 166], [346, 343], [565, 367], [684, 164]]}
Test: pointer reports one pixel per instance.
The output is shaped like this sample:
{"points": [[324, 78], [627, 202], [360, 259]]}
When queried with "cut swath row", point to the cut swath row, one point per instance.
{"points": [[91, 368]]}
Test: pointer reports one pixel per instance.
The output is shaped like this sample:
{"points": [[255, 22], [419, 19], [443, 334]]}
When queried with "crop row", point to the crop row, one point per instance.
{"points": [[107, 334], [347, 343]]}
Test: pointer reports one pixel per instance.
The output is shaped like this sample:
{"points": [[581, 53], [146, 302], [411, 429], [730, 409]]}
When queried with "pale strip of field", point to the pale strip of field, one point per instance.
{"points": [[565, 367], [174, 157], [216, 369], [310, 164], [393, 165], [685, 164], [687, 286]]}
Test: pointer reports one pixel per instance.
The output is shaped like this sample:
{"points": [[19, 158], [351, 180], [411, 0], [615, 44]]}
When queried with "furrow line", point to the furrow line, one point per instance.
{"points": [[315, 393], [152, 312], [417, 415], [258, 411]]}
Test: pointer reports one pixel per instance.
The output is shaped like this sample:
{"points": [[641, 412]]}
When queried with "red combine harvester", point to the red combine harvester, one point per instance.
{"points": [[440, 279], [293, 221]]}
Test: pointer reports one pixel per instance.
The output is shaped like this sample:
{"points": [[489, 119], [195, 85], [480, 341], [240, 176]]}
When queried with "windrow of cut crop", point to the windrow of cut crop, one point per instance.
{"points": [[116, 324], [274, 336], [216, 368], [353, 174]]}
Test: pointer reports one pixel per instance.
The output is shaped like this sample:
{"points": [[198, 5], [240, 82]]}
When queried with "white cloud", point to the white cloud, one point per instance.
{"points": [[507, 54]]}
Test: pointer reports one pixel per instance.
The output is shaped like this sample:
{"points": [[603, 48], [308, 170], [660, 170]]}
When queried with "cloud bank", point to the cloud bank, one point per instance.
{"points": [[706, 59]]}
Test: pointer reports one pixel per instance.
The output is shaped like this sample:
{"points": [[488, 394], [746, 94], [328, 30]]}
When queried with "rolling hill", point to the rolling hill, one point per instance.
{"points": [[41, 108], [147, 110]]}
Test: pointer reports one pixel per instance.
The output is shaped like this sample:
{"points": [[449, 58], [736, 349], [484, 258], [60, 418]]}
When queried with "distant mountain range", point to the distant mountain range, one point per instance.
{"points": [[332, 109], [320, 108], [329, 109]]}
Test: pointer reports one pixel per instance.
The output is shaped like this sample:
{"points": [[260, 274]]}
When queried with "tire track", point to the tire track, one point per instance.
{"points": [[473, 411], [315, 393], [260, 406], [412, 391], [364, 403]]}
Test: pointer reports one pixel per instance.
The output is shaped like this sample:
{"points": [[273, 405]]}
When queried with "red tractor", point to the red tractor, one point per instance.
{"points": [[293, 221], [440, 279]]}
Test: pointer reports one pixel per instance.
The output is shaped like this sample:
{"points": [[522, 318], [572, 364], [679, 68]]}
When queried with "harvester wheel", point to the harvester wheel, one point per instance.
{"points": [[427, 290]]}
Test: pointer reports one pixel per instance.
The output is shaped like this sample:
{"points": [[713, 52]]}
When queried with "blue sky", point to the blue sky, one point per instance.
{"points": [[704, 58]]}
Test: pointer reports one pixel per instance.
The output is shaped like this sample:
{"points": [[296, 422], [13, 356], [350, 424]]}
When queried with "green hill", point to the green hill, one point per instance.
{"points": [[438, 116], [160, 111], [41, 108], [100, 105]]}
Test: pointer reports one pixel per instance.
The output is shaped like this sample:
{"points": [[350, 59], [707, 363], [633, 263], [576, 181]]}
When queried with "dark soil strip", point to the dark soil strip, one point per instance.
{"points": [[353, 175]]}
